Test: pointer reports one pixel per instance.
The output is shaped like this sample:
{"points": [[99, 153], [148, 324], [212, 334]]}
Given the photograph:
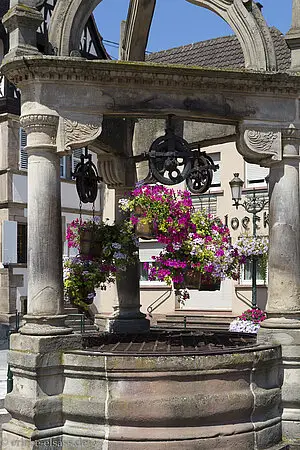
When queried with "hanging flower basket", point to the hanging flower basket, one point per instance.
{"points": [[192, 280], [209, 284], [143, 228], [90, 245]]}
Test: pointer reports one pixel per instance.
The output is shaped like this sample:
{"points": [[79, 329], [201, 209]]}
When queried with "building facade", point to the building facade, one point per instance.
{"points": [[13, 174]]}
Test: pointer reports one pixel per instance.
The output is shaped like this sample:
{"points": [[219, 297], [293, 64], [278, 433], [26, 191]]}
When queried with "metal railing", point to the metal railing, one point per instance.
{"points": [[158, 302]]}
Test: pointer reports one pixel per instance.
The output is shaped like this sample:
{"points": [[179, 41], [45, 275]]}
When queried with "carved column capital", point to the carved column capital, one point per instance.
{"points": [[41, 129], [260, 143]]}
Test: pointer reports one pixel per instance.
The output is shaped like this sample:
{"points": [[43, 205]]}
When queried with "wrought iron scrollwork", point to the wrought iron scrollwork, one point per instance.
{"points": [[87, 178]]}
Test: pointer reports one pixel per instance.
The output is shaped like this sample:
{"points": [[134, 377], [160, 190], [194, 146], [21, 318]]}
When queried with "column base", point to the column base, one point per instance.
{"points": [[45, 325], [286, 332], [115, 324]]}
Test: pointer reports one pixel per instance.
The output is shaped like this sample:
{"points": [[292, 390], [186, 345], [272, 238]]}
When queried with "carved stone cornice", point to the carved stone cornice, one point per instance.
{"points": [[260, 143], [145, 75], [41, 123]]}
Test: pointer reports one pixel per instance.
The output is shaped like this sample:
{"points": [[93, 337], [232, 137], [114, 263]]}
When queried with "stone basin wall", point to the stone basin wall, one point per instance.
{"points": [[184, 402]]}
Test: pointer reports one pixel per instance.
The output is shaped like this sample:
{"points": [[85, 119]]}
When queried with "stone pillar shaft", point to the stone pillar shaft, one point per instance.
{"points": [[45, 288], [283, 307], [45, 285], [127, 316], [284, 229]]}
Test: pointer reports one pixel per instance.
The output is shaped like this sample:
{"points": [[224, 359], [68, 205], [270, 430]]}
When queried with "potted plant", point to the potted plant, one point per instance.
{"points": [[165, 211], [91, 270], [201, 260], [254, 247], [82, 276], [249, 321]]}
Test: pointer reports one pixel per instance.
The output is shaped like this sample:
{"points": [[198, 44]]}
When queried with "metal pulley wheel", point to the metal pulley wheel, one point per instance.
{"points": [[87, 179], [200, 177], [169, 159]]}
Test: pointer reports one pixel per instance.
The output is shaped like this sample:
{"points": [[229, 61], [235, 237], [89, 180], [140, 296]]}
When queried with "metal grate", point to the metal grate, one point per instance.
{"points": [[169, 343]]}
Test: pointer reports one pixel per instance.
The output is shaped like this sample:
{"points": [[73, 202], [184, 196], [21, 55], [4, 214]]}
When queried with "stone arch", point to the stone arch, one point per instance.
{"points": [[246, 20], [70, 16], [243, 16]]}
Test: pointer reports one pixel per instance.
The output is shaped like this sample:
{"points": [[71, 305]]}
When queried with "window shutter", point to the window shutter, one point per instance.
{"points": [[216, 157], [9, 242], [206, 202], [63, 163], [23, 151], [76, 157], [255, 175]]}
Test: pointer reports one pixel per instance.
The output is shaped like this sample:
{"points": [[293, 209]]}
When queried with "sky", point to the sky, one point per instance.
{"points": [[178, 22]]}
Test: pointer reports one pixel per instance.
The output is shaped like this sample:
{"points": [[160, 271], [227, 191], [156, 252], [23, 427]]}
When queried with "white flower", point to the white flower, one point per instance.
{"points": [[243, 326], [124, 203], [116, 245]]}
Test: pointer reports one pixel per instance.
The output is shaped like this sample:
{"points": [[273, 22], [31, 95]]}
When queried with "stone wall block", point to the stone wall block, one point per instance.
{"points": [[215, 399]]}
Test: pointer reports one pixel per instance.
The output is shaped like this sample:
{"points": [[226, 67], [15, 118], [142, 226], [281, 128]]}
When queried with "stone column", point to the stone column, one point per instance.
{"points": [[283, 306], [45, 285], [278, 147], [127, 317]]}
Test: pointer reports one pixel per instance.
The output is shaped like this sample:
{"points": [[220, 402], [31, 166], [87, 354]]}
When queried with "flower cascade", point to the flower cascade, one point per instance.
{"points": [[81, 277], [167, 210], [83, 274], [207, 250], [252, 246], [249, 321]]}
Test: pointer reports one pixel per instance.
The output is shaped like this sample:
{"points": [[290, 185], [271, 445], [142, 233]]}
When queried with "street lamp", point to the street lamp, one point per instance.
{"points": [[253, 204]]}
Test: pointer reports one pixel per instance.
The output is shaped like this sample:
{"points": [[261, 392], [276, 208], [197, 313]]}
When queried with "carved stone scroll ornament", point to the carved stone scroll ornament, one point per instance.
{"points": [[113, 171], [260, 145], [75, 133]]}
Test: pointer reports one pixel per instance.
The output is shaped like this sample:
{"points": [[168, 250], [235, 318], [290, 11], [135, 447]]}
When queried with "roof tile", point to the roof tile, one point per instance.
{"points": [[221, 52]]}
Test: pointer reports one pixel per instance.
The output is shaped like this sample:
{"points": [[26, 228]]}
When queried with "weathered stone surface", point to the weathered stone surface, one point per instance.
{"points": [[287, 333]]}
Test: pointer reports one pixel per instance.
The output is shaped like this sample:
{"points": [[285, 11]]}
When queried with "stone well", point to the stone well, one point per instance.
{"points": [[136, 395]]}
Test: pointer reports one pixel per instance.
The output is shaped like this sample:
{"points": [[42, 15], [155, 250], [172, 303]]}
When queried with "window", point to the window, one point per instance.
{"points": [[23, 152], [22, 243], [216, 181], [67, 163], [76, 158], [205, 202], [146, 251], [63, 167], [144, 276], [255, 175], [246, 272], [144, 272]]}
